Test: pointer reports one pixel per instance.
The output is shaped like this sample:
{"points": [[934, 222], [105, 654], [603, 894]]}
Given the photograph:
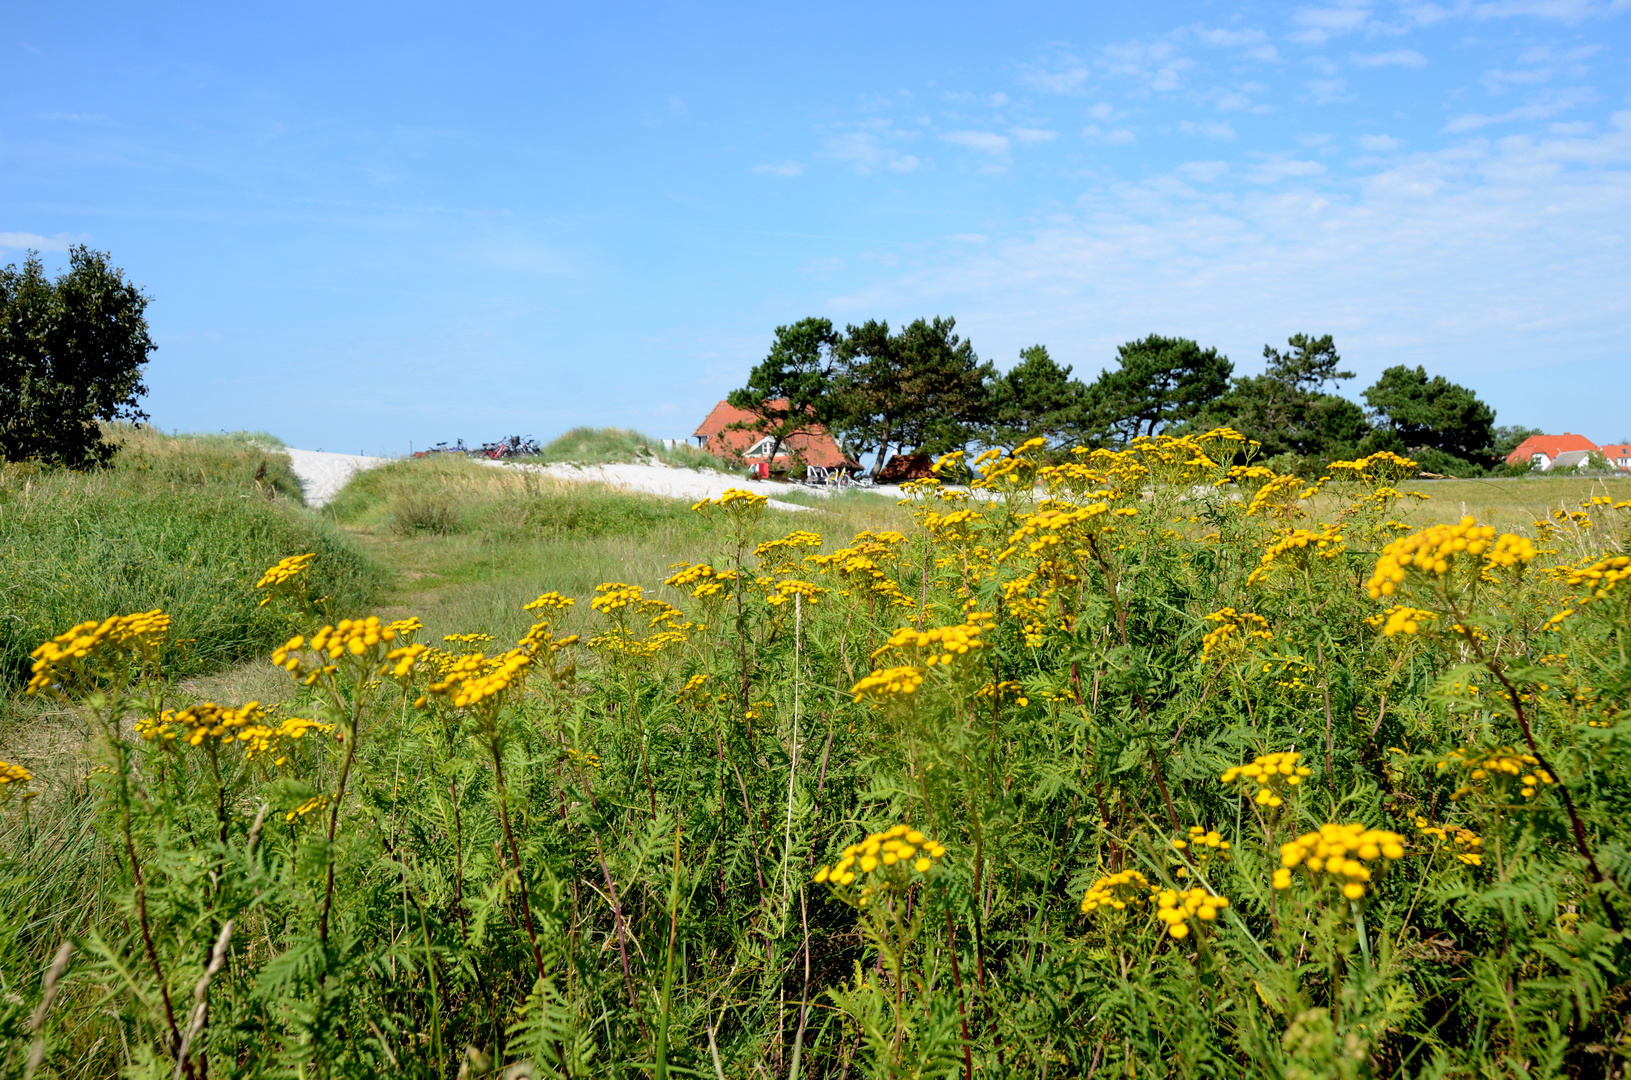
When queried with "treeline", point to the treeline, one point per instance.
{"points": [[922, 388]]}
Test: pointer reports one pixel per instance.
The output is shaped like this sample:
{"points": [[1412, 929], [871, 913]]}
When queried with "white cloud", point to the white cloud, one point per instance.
{"points": [[1397, 58], [1548, 104], [1275, 168], [1472, 260], [1062, 75], [1113, 137], [23, 241], [1379, 144], [1316, 25], [1156, 64], [1221, 130], [871, 145], [1203, 172], [1030, 136], [985, 141], [968, 238], [1104, 112], [1325, 91], [780, 168]]}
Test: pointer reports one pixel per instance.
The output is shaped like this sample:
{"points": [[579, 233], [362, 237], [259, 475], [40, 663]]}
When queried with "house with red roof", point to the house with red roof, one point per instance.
{"points": [[737, 435], [1542, 451], [1618, 454]]}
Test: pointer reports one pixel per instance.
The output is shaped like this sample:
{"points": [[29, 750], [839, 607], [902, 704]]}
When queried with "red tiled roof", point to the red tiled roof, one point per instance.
{"points": [[1616, 452], [813, 446], [1550, 445]]}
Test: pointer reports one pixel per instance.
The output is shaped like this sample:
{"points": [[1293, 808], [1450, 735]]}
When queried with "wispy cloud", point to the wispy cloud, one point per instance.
{"points": [[23, 241], [1062, 74], [1032, 136], [1112, 137], [1155, 65], [1409, 58], [872, 145], [1203, 172], [988, 142], [1221, 130], [1316, 25], [1379, 144], [1325, 91], [1548, 104], [1274, 168], [780, 168]]}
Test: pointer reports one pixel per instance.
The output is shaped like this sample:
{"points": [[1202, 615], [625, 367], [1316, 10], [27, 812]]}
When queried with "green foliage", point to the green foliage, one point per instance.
{"points": [[1159, 382], [180, 522], [1416, 412], [922, 387], [1036, 399], [1287, 409], [71, 358], [790, 390]]}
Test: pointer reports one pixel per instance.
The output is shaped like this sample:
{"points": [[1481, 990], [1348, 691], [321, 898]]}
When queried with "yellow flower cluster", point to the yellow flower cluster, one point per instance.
{"points": [[1403, 619], [467, 639], [590, 759], [1501, 766], [14, 774], [1600, 577], [1465, 841], [476, 678], [1116, 892], [788, 588], [1273, 774], [245, 724], [1327, 544], [76, 651], [615, 595], [887, 682], [707, 581], [316, 802], [733, 499], [1202, 845], [1053, 525], [285, 574], [1006, 688], [1436, 549], [1177, 908], [1233, 626], [400, 663], [899, 846], [780, 555], [1346, 854], [550, 601], [941, 644], [348, 638]]}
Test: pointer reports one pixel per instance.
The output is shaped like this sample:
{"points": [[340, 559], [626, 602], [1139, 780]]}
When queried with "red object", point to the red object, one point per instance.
{"points": [[719, 435], [761, 470], [1549, 446]]}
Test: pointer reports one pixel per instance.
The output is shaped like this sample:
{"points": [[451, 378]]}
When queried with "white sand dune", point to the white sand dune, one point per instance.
{"points": [[322, 475]]}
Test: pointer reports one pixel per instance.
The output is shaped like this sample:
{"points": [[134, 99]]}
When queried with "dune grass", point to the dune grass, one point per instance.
{"points": [[180, 522], [604, 446], [469, 543]]}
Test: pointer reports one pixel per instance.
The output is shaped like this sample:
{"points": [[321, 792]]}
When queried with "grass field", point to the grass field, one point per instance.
{"points": [[881, 791]]}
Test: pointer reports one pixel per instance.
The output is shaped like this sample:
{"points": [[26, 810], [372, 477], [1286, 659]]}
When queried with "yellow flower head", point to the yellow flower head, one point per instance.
{"points": [[92, 649], [479, 681], [1272, 774], [1115, 892], [1437, 549], [1234, 627], [1498, 769], [890, 857], [360, 642], [286, 576], [1348, 856], [1178, 909]]}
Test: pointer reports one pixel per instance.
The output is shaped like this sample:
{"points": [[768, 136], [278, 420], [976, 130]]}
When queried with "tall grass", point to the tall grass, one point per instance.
{"points": [[601, 446], [186, 523]]}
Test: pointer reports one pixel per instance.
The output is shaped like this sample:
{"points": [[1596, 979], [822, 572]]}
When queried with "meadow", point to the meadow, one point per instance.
{"points": [[1141, 763]]}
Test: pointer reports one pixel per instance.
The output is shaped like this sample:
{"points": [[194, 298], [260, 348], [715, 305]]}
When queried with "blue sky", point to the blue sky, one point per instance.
{"points": [[369, 224]]}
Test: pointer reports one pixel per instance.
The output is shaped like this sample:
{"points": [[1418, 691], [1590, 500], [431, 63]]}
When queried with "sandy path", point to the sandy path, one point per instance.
{"points": [[322, 475]]}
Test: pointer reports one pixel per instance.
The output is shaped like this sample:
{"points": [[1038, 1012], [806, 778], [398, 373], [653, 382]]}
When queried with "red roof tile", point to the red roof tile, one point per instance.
{"points": [[1550, 445], [814, 446]]}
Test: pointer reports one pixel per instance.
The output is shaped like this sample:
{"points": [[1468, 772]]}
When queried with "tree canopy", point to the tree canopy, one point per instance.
{"points": [[1287, 408], [71, 357], [790, 389], [1159, 382], [1036, 398], [1432, 413]]}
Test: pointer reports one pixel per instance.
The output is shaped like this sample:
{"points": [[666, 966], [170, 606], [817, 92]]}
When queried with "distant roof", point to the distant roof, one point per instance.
{"points": [[1550, 445], [1569, 459], [1616, 450], [813, 446]]}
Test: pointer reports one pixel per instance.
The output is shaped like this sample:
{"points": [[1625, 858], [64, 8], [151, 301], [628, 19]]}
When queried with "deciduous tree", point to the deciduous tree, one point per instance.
{"points": [[71, 357]]}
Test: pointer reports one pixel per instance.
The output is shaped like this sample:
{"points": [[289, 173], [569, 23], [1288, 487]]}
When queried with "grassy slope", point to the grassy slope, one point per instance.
{"points": [[599, 446], [183, 523], [472, 544]]}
